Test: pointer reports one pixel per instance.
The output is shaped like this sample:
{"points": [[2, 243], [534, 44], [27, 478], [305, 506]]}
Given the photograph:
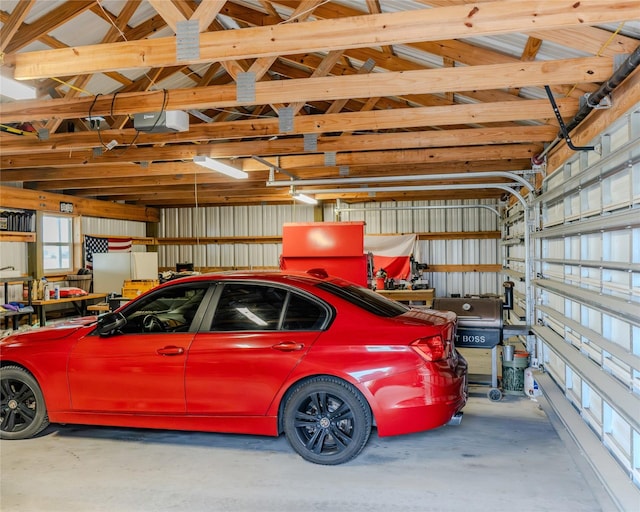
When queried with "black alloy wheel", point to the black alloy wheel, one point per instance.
{"points": [[327, 421], [22, 410]]}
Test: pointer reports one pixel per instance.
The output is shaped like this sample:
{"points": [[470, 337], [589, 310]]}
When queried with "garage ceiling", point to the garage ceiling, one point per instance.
{"points": [[335, 90]]}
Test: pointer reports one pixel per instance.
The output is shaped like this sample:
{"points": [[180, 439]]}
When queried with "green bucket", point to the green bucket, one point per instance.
{"points": [[513, 373]]}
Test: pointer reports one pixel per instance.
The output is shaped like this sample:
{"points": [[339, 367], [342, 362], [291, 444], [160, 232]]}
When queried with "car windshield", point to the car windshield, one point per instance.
{"points": [[365, 299]]}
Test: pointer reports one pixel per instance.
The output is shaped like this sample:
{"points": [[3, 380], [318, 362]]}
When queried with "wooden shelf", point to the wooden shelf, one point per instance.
{"points": [[276, 239], [17, 236], [220, 240], [15, 315], [424, 295], [480, 267]]}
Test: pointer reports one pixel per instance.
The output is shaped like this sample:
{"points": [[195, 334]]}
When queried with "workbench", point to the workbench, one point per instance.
{"points": [[424, 295], [100, 307], [79, 303]]}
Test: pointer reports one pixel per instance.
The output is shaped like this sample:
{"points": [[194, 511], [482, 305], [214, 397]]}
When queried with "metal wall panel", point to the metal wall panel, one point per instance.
{"points": [[255, 225], [406, 218], [232, 221], [379, 218], [14, 254], [588, 291], [112, 227], [227, 225]]}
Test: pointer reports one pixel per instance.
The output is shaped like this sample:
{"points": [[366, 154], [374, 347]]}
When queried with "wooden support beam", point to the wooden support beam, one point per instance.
{"points": [[460, 235], [135, 240], [27, 34], [471, 235], [10, 28], [169, 12], [436, 155], [220, 240], [120, 172], [527, 74], [205, 13], [489, 18], [17, 236], [594, 40], [58, 147], [626, 97], [11, 197], [465, 268]]}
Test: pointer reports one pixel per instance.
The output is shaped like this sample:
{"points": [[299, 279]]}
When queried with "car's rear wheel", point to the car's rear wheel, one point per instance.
{"points": [[327, 420], [22, 410]]}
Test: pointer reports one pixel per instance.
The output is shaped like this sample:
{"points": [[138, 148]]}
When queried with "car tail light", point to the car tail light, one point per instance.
{"points": [[432, 348]]}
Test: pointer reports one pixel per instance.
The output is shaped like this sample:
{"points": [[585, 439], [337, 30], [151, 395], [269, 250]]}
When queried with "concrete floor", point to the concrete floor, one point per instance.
{"points": [[504, 456], [512, 455]]}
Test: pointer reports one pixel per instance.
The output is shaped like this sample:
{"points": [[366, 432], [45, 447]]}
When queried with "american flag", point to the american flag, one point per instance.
{"points": [[94, 244]]}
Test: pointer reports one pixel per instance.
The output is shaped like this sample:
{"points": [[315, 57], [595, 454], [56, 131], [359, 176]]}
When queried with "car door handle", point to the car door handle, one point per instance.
{"points": [[170, 351], [288, 346]]}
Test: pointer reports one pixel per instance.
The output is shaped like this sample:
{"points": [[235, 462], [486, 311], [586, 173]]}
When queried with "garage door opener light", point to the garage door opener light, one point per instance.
{"points": [[217, 165]]}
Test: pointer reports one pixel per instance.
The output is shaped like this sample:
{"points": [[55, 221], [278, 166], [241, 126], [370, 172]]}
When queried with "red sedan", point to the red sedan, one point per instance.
{"points": [[317, 358]]}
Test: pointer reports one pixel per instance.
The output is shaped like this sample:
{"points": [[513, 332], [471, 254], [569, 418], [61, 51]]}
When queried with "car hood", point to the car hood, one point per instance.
{"points": [[51, 333]]}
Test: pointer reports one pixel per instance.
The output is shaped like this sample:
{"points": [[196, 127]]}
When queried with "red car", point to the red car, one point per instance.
{"points": [[318, 358]]}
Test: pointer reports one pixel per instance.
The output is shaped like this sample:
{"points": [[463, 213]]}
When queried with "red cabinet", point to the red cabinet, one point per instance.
{"points": [[337, 247]]}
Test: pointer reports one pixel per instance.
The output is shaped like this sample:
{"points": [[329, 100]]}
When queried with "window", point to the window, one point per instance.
{"points": [[366, 299], [170, 309], [303, 315], [57, 243], [251, 307], [247, 307]]}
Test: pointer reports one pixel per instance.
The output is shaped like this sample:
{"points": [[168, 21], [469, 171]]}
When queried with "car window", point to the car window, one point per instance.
{"points": [[169, 309], [248, 307], [303, 315], [256, 307], [366, 299]]}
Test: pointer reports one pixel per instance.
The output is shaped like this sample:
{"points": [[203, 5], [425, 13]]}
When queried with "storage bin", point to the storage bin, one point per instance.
{"points": [[134, 287]]}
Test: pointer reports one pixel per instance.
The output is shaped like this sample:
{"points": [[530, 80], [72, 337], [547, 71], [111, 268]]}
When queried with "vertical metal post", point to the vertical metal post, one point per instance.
{"points": [[531, 224], [338, 210], [494, 366]]}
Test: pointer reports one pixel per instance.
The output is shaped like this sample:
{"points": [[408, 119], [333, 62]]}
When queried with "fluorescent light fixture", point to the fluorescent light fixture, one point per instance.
{"points": [[16, 90], [217, 165], [303, 198]]}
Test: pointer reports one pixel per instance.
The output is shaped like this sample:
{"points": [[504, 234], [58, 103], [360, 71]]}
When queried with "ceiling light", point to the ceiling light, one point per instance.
{"points": [[303, 198], [16, 90], [217, 165]]}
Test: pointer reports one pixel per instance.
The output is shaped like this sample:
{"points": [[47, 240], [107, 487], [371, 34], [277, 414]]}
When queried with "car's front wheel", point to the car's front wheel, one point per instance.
{"points": [[22, 410], [327, 420]]}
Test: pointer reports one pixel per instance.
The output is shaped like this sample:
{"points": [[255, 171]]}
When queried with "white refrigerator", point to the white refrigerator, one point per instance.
{"points": [[111, 270]]}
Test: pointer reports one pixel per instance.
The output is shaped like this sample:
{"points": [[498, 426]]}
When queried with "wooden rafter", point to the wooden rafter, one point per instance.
{"points": [[438, 116], [392, 92], [12, 25], [327, 88], [323, 35]]}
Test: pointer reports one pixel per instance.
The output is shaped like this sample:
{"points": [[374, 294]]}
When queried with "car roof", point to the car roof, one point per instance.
{"points": [[310, 278]]}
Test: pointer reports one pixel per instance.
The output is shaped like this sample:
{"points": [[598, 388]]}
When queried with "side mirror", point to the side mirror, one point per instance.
{"points": [[109, 323]]}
